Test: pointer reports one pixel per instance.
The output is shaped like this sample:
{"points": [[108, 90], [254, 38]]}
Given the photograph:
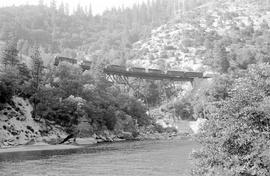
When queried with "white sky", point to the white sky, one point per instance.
{"points": [[98, 6]]}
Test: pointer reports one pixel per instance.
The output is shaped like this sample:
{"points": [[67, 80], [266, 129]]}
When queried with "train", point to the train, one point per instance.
{"points": [[157, 71], [194, 74], [137, 69], [85, 65], [116, 68], [176, 73], [59, 59], [186, 74]]}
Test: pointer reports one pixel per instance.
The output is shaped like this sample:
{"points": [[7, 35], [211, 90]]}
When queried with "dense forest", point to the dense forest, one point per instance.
{"points": [[79, 33]]}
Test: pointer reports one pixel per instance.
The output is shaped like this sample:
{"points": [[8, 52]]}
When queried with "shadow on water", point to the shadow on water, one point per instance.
{"points": [[95, 148], [45, 154], [133, 158]]}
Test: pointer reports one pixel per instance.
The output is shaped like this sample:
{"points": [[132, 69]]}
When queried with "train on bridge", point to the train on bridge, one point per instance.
{"points": [[138, 70], [134, 71]]}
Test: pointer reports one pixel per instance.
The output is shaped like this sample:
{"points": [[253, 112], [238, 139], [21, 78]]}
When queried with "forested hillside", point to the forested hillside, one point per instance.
{"points": [[63, 96], [79, 33]]}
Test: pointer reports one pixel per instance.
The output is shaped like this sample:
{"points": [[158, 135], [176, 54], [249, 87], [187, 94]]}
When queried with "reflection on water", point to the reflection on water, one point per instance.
{"points": [[138, 158]]}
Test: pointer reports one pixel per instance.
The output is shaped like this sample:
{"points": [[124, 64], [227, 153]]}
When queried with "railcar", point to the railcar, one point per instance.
{"points": [[86, 65], [116, 68], [137, 69], [59, 59], [155, 71], [176, 73], [194, 74]]}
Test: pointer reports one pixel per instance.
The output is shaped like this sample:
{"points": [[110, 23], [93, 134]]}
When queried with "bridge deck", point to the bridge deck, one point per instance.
{"points": [[149, 75]]}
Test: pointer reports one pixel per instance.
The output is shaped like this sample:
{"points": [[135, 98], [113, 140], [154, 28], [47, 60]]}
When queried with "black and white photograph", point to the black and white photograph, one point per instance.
{"points": [[134, 87]]}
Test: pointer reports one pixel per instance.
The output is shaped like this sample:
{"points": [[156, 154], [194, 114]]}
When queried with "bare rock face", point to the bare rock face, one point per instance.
{"points": [[17, 127]]}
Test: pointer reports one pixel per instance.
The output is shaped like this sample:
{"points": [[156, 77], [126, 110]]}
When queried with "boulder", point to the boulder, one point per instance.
{"points": [[125, 135]]}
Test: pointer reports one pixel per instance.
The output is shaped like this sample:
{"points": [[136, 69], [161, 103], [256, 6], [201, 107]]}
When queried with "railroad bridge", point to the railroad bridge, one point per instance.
{"points": [[121, 74], [141, 76], [167, 80], [116, 72]]}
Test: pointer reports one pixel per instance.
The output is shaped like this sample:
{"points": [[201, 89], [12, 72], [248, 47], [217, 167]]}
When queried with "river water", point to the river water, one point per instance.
{"points": [[137, 158]]}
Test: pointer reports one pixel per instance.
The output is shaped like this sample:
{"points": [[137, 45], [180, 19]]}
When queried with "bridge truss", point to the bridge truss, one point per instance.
{"points": [[133, 81]]}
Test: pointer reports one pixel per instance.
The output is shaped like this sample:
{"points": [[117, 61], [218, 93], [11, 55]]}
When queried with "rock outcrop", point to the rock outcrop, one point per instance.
{"points": [[182, 43], [17, 126]]}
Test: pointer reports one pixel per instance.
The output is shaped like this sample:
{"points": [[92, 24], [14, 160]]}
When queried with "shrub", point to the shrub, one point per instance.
{"points": [[6, 90], [135, 109], [236, 137], [184, 110]]}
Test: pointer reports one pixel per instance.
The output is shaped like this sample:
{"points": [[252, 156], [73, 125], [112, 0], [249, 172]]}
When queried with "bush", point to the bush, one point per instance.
{"points": [[184, 110], [135, 109], [52, 108], [6, 90], [236, 137]]}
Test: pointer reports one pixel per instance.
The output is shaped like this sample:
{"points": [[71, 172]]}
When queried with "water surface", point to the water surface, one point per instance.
{"points": [[138, 158]]}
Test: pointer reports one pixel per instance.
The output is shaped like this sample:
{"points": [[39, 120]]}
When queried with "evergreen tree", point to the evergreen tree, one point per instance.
{"points": [[37, 69], [79, 11], [62, 8], [10, 54], [53, 5], [90, 11], [66, 8], [24, 72], [221, 58]]}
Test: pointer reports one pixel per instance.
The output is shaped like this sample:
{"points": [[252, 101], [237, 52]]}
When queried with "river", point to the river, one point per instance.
{"points": [[136, 158]]}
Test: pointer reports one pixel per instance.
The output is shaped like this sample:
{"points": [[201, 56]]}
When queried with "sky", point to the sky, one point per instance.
{"points": [[98, 6]]}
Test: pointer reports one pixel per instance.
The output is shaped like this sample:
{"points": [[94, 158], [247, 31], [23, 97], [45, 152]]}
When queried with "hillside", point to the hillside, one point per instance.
{"points": [[18, 127], [219, 36]]}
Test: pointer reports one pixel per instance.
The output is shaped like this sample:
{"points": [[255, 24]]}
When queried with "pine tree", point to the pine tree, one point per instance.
{"points": [[221, 58], [24, 72], [90, 12], [79, 11], [9, 55], [37, 69], [53, 5], [66, 8], [62, 8]]}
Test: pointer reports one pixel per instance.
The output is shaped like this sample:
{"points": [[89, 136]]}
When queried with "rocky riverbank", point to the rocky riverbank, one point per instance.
{"points": [[18, 128]]}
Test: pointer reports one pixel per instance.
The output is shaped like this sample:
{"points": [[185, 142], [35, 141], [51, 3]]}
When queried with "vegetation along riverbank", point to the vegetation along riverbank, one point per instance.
{"points": [[215, 56]]}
